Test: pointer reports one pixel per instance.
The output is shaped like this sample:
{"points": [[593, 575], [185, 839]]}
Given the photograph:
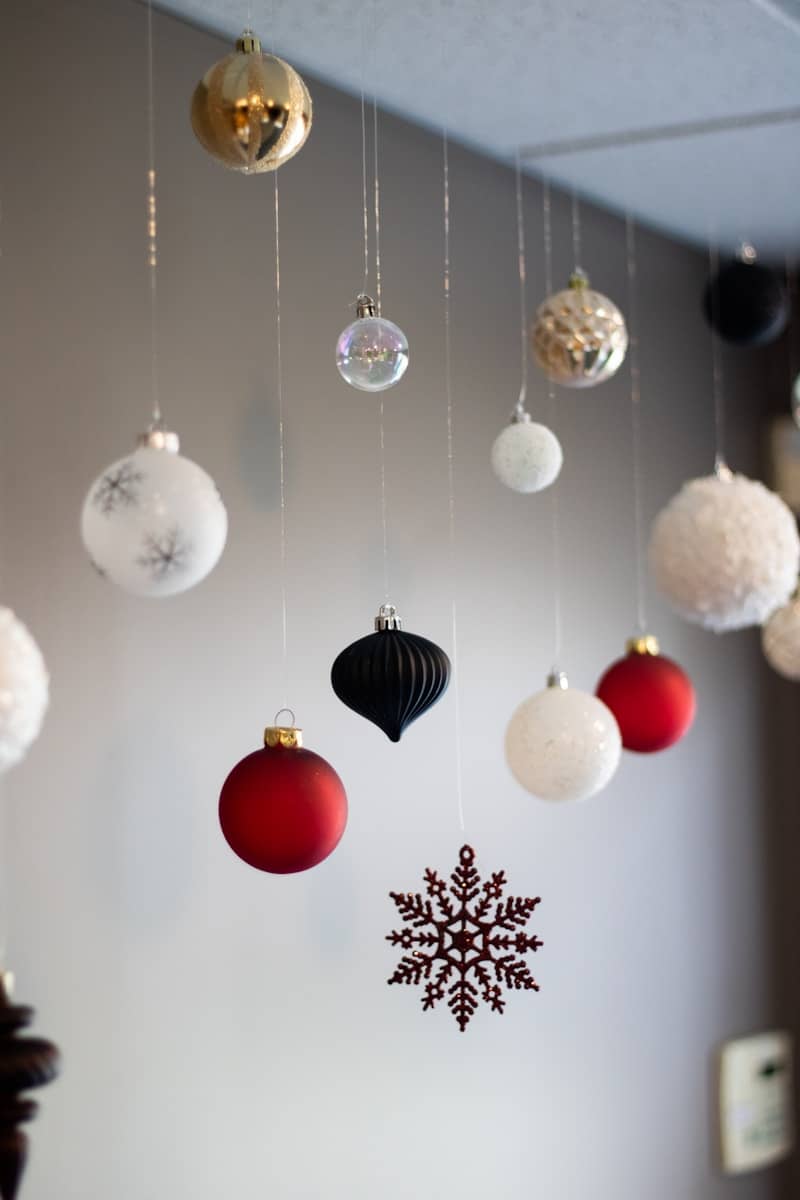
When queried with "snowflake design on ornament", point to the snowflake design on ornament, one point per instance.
{"points": [[165, 554], [465, 935], [118, 489]]}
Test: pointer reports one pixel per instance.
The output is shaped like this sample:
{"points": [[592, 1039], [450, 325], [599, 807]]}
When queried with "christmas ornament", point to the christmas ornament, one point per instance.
{"points": [[24, 690], [467, 936], [780, 639], [526, 456], [563, 744], [747, 303], [725, 551], [251, 111], [283, 809], [579, 336], [372, 353], [391, 677], [25, 1063], [651, 697], [154, 522]]}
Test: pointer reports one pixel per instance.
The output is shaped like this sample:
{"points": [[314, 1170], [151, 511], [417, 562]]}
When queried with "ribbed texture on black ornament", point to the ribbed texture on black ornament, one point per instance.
{"points": [[391, 678]]}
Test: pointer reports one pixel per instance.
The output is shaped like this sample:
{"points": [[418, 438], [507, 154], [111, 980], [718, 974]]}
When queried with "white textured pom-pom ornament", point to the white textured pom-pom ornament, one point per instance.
{"points": [[24, 689], [526, 456], [725, 551], [780, 639], [563, 744], [579, 336], [154, 522]]}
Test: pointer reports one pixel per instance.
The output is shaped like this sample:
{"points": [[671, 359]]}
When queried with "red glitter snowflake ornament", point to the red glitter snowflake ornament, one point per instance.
{"points": [[474, 937]]}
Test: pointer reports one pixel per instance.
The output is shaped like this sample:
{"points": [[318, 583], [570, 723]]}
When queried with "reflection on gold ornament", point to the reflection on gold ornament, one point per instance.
{"points": [[251, 111], [579, 336]]}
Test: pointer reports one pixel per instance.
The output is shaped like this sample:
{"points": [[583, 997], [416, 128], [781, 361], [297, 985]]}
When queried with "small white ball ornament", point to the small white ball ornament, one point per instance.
{"points": [[725, 551], [24, 690], [780, 640], [526, 457], [154, 522], [371, 353], [562, 743]]}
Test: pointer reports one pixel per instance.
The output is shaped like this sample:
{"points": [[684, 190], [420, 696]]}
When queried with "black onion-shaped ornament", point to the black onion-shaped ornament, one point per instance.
{"points": [[25, 1063], [747, 303], [391, 677]]}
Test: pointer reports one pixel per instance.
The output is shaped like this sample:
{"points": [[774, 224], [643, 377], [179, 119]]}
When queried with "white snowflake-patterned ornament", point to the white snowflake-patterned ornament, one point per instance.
{"points": [[154, 522], [24, 690]]}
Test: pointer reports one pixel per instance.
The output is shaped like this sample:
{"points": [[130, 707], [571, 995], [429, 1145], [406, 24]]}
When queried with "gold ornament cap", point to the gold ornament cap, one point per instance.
{"points": [[248, 43], [643, 643], [578, 280], [287, 736]]}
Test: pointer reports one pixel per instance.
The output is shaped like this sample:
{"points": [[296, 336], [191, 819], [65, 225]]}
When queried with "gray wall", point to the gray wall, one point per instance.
{"points": [[226, 1033]]}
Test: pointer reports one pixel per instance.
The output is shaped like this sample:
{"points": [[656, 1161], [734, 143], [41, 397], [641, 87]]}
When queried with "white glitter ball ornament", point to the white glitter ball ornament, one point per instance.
{"points": [[526, 456], [579, 336], [725, 551], [24, 690], [780, 639], [563, 744], [154, 522]]}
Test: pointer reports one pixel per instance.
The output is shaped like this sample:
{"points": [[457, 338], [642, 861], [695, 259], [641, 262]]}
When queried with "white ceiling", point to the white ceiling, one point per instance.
{"points": [[525, 72]]}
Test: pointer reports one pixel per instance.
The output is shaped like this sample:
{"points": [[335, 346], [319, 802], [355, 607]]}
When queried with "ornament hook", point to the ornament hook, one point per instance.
{"points": [[280, 713]]}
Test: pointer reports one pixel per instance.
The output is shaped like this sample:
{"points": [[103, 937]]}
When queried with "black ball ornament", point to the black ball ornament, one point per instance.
{"points": [[747, 303], [391, 677]]}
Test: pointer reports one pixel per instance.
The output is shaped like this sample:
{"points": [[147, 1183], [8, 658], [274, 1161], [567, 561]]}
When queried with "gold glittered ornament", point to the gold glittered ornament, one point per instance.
{"points": [[251, 111], [579, 336]]}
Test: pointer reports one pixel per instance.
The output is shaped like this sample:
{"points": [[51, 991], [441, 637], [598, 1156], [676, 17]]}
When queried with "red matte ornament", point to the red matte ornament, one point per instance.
{"points": [[652, 698], [283, 809]]}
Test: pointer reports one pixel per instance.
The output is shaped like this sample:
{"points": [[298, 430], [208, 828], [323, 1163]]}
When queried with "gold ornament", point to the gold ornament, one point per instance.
{"points": [[579, 336], [251, 111]]}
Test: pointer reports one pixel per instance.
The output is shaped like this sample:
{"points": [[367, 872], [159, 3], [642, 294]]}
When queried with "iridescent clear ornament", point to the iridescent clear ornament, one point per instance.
{"points": [[372, 353], [579, 336]]}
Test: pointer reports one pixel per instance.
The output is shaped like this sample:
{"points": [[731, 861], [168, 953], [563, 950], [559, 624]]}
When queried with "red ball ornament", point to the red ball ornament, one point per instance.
{"points": [[651, 696], [283, 809]]}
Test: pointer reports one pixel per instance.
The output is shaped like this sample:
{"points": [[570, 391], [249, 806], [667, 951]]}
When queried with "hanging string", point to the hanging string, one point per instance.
{"points": [[523, 306], [576, 231], [281, 440], [364, 165], [377, 206], [448, 387], [791, 339], [720, 463], [152, 226], [555, 515], [636, 418]]}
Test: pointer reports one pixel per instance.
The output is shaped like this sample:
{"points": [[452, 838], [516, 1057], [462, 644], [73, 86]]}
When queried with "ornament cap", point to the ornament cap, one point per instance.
{"points": [[7, 982], [156, 437], [747, 253], [248, 43], [387, 618], [722, 470], [365, 305], [643, 643], [287, 736], [558, 679], [578, 280]]}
